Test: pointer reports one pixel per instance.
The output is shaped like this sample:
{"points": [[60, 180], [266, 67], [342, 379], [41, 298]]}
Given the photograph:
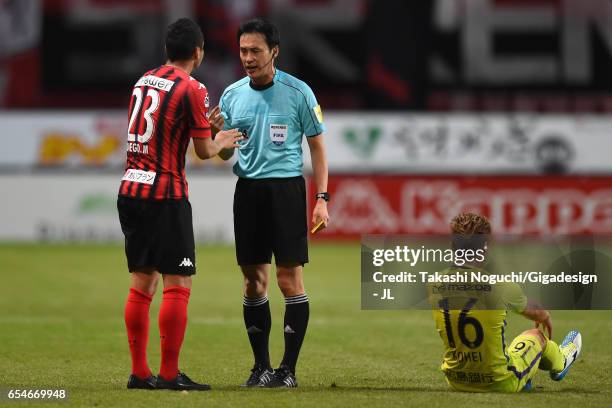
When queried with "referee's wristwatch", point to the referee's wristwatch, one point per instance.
{"points": [[324, 196]]}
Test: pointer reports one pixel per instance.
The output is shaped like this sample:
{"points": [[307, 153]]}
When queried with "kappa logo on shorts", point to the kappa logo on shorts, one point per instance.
{"points": [[186, 262]]}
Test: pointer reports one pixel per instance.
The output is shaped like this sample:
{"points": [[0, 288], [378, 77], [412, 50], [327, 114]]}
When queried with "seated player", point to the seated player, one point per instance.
{"points": [[471, 321]]}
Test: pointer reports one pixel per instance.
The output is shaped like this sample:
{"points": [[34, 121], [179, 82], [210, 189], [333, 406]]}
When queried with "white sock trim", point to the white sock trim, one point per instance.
{"points": [[254, 302], [292, 300]]}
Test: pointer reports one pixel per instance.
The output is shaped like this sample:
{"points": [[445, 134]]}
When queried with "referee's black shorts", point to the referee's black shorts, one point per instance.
{"points": [[270, 218], [158, 234]]}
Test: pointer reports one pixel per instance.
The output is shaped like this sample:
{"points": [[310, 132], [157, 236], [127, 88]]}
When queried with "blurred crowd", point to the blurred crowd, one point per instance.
{"points": [[422, 55]]}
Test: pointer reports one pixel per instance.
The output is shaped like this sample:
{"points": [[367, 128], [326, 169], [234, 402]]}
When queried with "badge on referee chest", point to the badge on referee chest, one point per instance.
{"points": [[278, 134]]}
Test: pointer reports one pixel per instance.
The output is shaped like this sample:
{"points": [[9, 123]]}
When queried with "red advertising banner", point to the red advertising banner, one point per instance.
{"points": [[541, 206]]}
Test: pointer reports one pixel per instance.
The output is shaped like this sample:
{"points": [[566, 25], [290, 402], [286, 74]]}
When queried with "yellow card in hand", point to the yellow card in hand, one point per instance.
{"points": [[318, 227]]}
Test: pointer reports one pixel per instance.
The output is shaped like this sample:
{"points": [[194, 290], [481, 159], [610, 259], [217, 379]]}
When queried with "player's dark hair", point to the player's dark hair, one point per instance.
{"points": [[263, 27], [470, 231], [183, 36]]}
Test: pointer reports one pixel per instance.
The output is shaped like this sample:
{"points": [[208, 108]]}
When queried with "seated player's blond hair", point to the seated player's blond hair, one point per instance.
{"points": [[470, 231], [469, 224]]}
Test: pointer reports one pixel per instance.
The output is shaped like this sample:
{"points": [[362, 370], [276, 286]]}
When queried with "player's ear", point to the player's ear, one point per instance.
{"points": [[198, 56], [275, 52]]}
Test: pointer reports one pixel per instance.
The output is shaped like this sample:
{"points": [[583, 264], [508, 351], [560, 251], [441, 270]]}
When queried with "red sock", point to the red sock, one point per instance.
{"points": [[137, 324], [172, 324]]}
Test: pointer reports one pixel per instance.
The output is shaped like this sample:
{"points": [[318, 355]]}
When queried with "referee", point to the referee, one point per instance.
{"points": [[273, 110]]}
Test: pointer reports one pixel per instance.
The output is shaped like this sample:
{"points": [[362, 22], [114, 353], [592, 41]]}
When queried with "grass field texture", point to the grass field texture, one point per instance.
{"points": [[61, 326]]}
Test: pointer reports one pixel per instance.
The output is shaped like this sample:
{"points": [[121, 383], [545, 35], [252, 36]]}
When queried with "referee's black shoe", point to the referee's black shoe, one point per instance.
{"points": [[136, 383], [180, 383], [260, 376], [283, 377]]}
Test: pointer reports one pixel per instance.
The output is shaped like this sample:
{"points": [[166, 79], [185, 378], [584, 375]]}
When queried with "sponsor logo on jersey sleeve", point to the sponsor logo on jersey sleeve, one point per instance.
{"points": [[318, 113]]}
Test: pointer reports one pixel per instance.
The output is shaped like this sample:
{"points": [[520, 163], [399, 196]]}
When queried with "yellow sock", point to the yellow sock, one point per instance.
{"points": [[552, 358]]}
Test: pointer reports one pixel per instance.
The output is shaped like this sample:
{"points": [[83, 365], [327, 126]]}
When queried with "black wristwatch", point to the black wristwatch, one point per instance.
{"points": [[324, 196]]}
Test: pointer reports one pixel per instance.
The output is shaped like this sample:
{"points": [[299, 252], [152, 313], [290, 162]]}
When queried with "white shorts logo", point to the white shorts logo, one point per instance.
{"points": [[139, 176], [278, 134], [186, 262]]}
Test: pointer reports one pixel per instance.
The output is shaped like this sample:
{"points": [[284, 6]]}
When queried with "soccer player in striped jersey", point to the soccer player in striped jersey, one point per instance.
{"points": [[168, 108], [471, 321]]}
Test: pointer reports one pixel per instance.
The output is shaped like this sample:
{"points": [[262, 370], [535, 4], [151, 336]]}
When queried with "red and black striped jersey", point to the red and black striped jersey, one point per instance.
{"points": [[168, 108]]}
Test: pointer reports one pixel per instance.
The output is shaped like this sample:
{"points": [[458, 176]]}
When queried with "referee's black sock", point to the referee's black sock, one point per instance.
{"points": [[257, 321], [296, 322]]}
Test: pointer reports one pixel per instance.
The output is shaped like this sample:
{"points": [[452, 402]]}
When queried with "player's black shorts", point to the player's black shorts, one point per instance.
{"points": [[270, 218], [159, 234]]}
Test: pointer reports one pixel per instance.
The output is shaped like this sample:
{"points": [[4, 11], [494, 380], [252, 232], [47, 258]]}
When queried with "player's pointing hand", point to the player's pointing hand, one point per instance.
{"points": [[215, 118], [228, 139]]}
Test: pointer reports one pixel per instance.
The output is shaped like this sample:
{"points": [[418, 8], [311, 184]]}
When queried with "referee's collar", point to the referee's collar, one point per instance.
{"points": [[261, 87], [266, 86]]}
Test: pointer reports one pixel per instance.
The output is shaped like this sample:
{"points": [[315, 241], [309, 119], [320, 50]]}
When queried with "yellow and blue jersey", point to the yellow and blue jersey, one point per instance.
{"points": [[471, 321], [274, 119]]}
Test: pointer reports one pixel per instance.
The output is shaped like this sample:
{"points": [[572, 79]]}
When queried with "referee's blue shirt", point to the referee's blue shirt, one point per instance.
{"points": [[274, 118]]}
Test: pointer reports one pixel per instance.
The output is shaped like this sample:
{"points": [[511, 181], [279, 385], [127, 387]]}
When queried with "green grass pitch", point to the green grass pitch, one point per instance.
{"points": [[61, 326]]}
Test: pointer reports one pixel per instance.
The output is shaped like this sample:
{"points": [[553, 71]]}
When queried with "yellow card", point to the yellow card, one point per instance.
{"points": [[318, 227]]}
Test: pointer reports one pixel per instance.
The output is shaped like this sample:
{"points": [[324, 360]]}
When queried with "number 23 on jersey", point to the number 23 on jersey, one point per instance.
{"points": [[147, 115]]}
